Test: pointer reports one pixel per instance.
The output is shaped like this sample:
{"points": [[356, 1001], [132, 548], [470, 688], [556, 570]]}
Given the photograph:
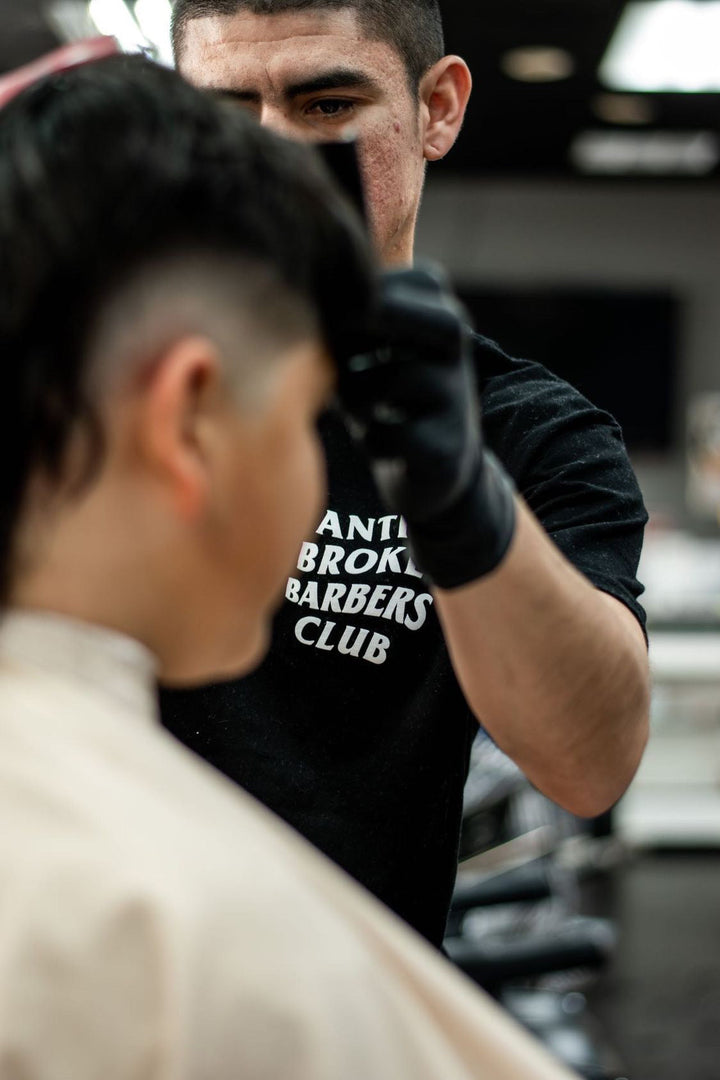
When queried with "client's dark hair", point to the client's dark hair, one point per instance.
{"points": [[412, 27], [107, 170]]}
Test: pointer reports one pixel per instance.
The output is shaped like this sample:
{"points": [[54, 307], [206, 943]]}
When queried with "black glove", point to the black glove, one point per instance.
{"points": [[414, 405]]}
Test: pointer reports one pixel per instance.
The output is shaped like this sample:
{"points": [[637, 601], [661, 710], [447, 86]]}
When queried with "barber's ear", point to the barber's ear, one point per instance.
{"points": [[444, 93], [176, 420]]}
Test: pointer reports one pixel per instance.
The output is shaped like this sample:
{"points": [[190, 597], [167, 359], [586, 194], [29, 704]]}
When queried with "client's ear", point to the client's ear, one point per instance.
{"points": [[178, 409]]}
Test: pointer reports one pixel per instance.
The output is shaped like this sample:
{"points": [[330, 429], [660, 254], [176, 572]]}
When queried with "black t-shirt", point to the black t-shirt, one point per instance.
{"points": [[354, 730]]}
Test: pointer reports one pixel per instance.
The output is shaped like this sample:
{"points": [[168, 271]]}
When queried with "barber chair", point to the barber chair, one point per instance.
{"points": [[513, 926]]}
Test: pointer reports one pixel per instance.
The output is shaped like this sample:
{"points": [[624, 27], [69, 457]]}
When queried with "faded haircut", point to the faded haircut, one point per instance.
{"points": [[119, 167]]}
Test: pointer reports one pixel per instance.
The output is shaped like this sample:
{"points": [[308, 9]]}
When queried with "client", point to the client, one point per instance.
{"points": [[173, 284]]}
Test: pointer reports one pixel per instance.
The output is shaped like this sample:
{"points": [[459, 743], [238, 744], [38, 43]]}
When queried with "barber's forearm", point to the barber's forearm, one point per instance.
{"points": [[555, 670]]}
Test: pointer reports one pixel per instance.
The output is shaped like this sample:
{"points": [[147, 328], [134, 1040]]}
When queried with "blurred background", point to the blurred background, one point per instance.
{"points": [[580, 218]]}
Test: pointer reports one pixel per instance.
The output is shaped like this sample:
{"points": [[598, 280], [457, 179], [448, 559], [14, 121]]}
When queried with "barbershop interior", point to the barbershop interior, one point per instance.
{"points": [[585, 202], [577, 221]]}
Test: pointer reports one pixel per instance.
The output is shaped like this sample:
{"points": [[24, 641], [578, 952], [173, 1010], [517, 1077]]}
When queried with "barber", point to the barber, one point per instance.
{"points": [[477, 560]]}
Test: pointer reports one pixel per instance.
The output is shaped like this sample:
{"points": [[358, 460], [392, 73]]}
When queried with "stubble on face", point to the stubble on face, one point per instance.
{"points": [[258, 61]]}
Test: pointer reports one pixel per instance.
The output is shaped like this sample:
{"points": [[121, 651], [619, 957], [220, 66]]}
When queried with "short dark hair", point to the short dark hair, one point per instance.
{"points": [[412, 27], [108, 170]]}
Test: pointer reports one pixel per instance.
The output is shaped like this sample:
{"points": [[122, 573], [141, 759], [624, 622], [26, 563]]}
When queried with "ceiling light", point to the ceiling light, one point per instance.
{"points": [[113, 17], [658, 153], [538, 64], [665, 46], [623, 109], [154, 18]]}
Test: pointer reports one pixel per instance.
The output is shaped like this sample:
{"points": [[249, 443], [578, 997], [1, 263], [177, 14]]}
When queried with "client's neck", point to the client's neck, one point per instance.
{"points": [[91, 561]]}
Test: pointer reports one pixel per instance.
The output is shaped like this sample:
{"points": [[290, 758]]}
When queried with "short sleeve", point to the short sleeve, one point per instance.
{"points": [[80, 976], [569, 462]]}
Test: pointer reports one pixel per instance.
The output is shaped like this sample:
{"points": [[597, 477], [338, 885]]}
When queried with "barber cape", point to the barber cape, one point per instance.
{"points": [[158, 923]]}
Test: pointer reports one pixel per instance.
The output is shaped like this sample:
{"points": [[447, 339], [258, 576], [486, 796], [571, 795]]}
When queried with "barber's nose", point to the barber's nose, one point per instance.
{"points": [[284, 123], [280, 121]]}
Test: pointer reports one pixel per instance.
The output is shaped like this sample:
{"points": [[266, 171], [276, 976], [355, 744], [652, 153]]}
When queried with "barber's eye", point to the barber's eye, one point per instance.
{"points": [[331, 107]]}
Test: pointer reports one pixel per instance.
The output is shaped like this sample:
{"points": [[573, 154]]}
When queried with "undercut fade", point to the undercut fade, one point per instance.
{"points": [[412, 27], [122, 187]]}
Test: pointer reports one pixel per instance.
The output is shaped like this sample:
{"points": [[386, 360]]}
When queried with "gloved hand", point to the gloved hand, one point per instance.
{"points": [[414, 406]]}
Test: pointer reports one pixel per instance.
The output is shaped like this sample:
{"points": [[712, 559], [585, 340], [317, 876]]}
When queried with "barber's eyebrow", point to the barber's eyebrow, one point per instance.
{"points": [[338, 79]]}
